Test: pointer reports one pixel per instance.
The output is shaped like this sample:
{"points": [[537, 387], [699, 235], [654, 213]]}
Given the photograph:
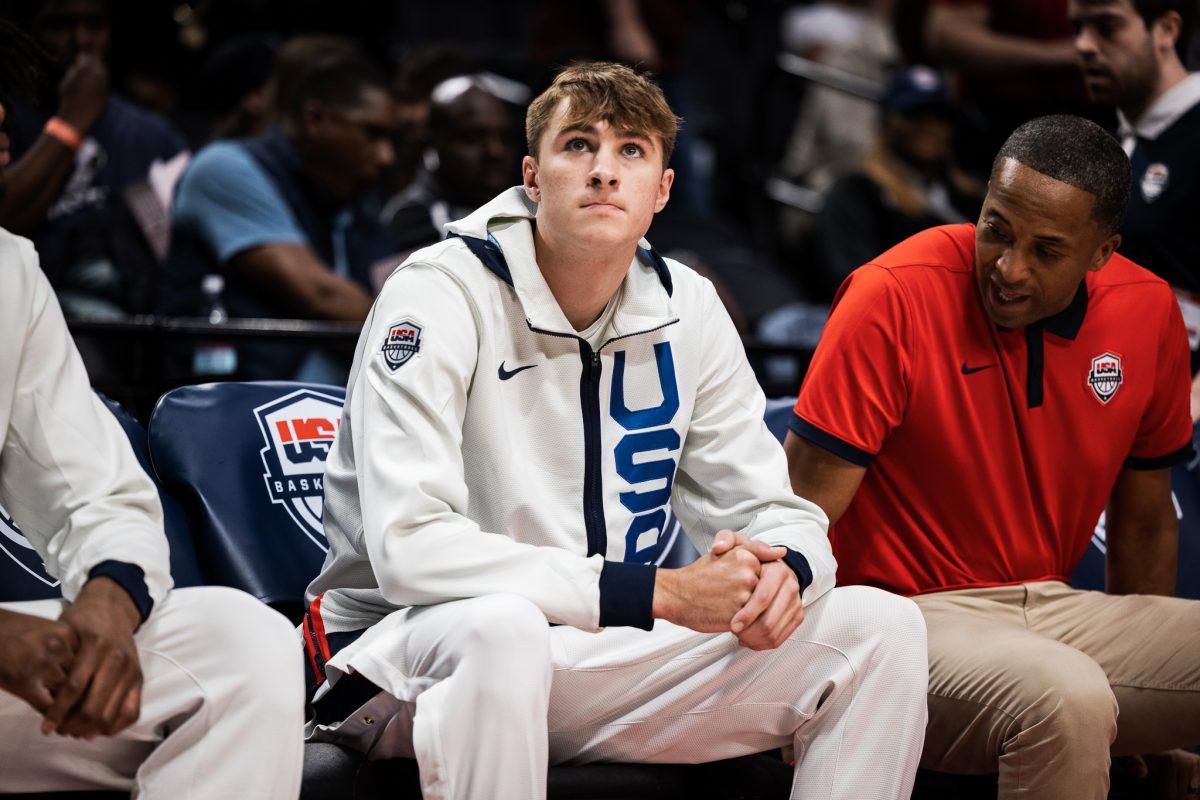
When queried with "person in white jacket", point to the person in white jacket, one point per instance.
{"points": [[124, 684], [529, 400]]}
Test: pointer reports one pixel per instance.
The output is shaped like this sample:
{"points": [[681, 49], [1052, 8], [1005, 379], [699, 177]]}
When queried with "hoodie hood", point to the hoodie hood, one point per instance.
{"points": [[498, 213], [505, 223]]}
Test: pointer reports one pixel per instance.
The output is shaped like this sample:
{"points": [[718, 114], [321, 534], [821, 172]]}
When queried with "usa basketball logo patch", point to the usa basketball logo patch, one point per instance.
{"points": [[403, 341], [1105, 376], [298, 430], [1154, 181]]}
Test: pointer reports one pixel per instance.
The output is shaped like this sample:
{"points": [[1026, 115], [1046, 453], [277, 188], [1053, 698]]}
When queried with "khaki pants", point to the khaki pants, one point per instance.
{"points": [[1030, 680]]}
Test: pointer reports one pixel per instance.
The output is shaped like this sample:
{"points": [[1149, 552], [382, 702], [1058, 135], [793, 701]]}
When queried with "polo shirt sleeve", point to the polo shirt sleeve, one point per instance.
{"points": [[856, 389], [1164, 436], [231, 204]]}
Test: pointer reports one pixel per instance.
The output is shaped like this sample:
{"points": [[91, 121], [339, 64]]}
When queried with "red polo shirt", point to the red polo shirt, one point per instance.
{"points": [[990, 452]]}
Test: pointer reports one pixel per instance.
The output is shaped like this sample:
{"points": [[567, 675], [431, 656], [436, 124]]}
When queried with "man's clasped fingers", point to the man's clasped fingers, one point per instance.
{"points": [[773, 612], [727, 540], [101, 694]]}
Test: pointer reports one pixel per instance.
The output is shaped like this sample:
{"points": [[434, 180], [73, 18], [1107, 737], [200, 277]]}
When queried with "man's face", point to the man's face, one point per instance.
{"points": [[353, 143], [476, 141], [69, 27], [595, 184], [1116, 52], [1035, 241]]}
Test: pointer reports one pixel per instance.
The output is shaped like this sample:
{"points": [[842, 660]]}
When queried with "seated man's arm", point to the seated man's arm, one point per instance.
{"points": [[34, 181], [1142, 531], [818, 475], [1142, 534], [72, 481], [301, 283], [959, 36], [731, 494], [230, 203], [406, 424], [732, 474]]}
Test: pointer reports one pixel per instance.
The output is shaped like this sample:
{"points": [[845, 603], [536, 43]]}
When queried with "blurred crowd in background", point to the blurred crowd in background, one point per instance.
{"points": [[269, 159]]}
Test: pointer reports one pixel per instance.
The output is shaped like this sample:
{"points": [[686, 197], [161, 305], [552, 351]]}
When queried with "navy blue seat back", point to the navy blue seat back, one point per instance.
{"points": [[778, 415], [247, 461], [1185, 490], [23, 576], [677, 549]]}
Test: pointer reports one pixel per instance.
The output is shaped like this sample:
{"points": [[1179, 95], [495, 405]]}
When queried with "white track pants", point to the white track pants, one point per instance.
{"points": [[475, 689], [222, 710]]}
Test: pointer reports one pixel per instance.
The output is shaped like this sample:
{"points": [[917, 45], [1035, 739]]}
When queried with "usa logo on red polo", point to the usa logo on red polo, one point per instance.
{"points": [[402, 343], [14, 545], [298, 430], [1105, 376]]}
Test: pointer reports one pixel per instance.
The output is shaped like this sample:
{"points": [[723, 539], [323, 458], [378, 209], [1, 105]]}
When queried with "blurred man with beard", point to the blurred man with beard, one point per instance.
{"points": [[1131, 55]]}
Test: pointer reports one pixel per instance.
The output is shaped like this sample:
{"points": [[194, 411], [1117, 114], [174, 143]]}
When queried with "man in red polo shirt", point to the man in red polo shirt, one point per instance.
{"points": [[979, 396]]}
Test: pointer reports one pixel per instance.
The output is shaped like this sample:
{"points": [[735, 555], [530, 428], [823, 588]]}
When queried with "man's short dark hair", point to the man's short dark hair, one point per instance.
{"points": [[1150, 10], [1079, 153], [338, 81]]}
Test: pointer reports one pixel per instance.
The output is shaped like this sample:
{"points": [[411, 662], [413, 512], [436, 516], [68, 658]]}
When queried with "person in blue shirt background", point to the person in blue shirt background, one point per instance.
{"points": [[282, 216]]}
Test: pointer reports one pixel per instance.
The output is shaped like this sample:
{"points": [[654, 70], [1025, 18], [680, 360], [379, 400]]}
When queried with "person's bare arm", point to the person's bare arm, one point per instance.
{"points": [[34, 181], [821, 477], [959, 36], [304, 285], [1142, 534]]}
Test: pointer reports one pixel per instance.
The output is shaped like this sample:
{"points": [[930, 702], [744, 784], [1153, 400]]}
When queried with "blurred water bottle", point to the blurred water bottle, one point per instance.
{"points": [[212, 286], [214, 358]]}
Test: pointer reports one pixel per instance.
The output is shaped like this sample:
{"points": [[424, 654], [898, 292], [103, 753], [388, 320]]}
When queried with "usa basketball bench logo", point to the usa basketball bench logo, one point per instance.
{"points": [[1106, 376], [402, 343], [298, 430], [14, 545]]}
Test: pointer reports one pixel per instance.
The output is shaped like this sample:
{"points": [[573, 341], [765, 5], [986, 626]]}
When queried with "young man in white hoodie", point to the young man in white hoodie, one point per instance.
{"points": [[529, 399]]}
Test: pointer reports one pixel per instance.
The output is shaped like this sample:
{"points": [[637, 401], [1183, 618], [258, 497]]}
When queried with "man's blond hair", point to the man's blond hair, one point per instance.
{"points": [[603, 91]]}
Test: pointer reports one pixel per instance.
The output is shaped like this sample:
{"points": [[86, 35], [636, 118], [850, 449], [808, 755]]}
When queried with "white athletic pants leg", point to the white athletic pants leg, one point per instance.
{"points": [[222, 710], [485, 694]]}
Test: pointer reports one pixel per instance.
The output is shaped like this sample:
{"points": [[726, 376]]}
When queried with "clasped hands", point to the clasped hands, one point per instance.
{"points": [[741, 586], [80, 672]]}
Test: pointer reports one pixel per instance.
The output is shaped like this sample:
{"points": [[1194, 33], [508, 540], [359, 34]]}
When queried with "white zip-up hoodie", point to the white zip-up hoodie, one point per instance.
{"points": [[68, 474], [486, 448]]}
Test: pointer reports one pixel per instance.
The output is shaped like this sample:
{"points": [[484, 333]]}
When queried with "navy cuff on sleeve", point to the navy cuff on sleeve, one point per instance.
{"points": [[1181, 455], [627, 594], [799, 565], [827, 441], [129, 577]]}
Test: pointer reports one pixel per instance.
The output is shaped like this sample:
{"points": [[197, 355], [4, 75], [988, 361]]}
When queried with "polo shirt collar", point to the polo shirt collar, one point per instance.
{"points": [[1174, 103], [1066, 323]]}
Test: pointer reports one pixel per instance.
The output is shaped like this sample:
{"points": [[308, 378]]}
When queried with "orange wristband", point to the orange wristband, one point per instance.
{"points": [[64, 131]]}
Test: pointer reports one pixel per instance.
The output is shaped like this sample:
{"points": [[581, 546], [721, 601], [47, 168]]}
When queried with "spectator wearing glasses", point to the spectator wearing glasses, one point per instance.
{"points": [[282, 219]]}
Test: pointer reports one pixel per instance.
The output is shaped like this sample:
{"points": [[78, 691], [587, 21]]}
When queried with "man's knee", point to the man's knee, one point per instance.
{"points": [[1067, 697], [237, 646], [504, 640], [883, 627]]}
